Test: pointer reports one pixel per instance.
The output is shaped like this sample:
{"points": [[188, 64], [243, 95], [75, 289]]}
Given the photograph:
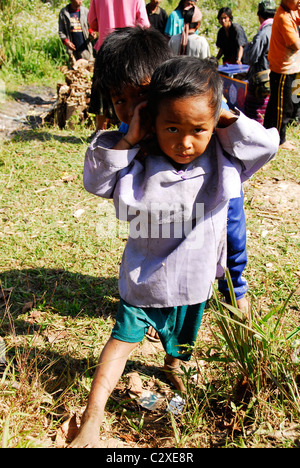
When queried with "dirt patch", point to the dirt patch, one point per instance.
{"points": [[280, 196], [24, 109]]}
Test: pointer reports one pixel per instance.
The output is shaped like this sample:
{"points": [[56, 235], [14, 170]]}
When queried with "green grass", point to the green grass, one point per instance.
{"points": [[31, 49]]}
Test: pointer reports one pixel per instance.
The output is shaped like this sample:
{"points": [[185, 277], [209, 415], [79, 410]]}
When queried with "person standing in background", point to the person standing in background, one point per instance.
{"points": [[158, 17], [284, 58], [231, 38], [256, 55], [74, 32], [106, 15], [189, 42], [175, 23]]}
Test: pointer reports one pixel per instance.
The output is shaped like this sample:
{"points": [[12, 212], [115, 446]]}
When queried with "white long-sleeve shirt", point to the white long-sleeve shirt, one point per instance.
{"points": [[177, 240]]}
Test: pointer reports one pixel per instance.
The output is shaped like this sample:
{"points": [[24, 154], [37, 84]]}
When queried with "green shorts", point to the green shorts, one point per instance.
{"points": [[177, 327]]}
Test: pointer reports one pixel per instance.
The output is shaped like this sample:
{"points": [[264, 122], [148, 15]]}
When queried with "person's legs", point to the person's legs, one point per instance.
{"points": [[109, 370], [96, 101], [280, 106]]}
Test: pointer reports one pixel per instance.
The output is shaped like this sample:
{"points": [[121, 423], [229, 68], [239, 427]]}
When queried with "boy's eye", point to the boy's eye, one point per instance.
{"points": [[142, 93], [172, 129], [198, 130]]}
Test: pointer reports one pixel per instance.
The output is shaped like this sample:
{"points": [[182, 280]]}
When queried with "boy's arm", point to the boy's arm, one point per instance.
{"points": [[92, 16], [247, 141], [61, 26], [226, 118], [290, 33], [103, 163]]}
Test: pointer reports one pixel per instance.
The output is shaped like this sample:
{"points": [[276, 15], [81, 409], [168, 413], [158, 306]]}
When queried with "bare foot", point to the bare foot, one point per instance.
{"points": [[288, 145], [173, 373], [243, 304], [152, 334], [87, 437], [88, 432]]}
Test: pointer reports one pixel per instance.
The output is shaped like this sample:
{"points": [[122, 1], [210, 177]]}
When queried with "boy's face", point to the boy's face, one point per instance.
{"points": [[76, 4], [184, 127], [292, 4], [126, 101], [225, 21], [189, 3]]}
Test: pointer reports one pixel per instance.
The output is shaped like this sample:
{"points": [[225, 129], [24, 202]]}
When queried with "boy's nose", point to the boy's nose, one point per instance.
{"points": [[185, 142], [131, 107]]}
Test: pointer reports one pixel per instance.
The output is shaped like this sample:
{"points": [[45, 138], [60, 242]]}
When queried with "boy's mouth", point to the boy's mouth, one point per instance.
{"points": [[184, 156]]}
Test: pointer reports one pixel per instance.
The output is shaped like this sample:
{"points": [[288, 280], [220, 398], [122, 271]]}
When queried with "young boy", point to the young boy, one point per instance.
{"points": [[175, 194], [74, 32]]}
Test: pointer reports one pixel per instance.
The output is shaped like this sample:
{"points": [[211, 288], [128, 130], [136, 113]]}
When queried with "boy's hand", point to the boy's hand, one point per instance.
{"points": [[70, 44], [140, 124], [226, 118], [139, 127]]}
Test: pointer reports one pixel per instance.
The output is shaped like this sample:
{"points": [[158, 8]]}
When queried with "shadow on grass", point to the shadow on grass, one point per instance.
{"points": [[59, 292], [67, 293], [32, 134]]}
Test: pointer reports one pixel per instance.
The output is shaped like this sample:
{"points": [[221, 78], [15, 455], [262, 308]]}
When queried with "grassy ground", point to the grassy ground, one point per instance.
{"points": [[58, 272]]}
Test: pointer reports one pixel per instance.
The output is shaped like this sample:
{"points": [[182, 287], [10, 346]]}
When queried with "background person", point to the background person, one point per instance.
{"points": [[188, 42], [231, 38], [175, 23], [158, 17], [256, 55], [284, 58], [74, 31]]}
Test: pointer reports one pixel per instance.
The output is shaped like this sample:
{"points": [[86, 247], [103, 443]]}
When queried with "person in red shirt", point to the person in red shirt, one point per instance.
{"points": [[284, 58]]}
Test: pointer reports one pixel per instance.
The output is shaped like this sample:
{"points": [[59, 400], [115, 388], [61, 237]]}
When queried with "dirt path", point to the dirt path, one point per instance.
{"points": [[24, 109]]}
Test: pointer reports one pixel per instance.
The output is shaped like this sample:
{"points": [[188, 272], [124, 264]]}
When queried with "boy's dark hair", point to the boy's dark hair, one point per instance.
{"points": [[180, 5], [227, 12], [185, 76], [266, 9], [128, 57]]}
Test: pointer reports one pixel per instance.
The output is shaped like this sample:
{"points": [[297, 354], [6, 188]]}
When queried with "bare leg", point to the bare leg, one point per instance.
{"points": [[109, 370], [172, 371]]}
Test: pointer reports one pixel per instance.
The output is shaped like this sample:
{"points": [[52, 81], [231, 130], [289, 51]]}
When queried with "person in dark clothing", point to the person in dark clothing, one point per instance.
{"points": [[256, 56], [231, 38], [74, 31], [158, 17]]}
